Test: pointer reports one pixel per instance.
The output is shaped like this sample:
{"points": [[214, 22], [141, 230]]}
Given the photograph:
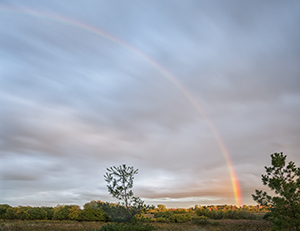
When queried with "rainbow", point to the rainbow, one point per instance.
{"points": [[154, 64]]}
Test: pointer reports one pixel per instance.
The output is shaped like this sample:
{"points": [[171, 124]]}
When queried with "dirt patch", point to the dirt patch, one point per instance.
{"points": [[149, 215]]}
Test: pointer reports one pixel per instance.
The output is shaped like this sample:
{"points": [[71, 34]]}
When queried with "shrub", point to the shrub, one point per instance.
{"points": [[49, 211], [161, 219], [216, 215], [201, 220], [233, 214], [127, 227], [215, 223], [267, 216], [179, 218], [75, 213], [92, 212], [61, 212], [12, 213], [178, 211], [151, 211], [284, 180], [201, 211], [161, 208], [3, 209], [139, 217], [17, 213], [165, 214], [36, 213], [225, 214], [114, 212]]}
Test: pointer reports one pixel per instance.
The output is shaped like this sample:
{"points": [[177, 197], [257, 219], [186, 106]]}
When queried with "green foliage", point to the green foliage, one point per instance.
{"points": [[36, 213], [201, 220], [127, 227], [179, 218], [200, 211], [17, 213], [215, 214], [120, 183], [114, 212], [11, 213], [284, 180], [173, 216], [3, 209], [233, 214], [75, 213], [25, 213], [161, 219], [161, 208], [267, 216], [225, 214], [165, 214], [49, 212], [61, 212], [139, 217], [92, 212], [179, 211]]}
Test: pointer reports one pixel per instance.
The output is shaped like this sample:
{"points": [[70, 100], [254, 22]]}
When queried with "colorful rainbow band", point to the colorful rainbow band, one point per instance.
{"points": [[164, 72]]}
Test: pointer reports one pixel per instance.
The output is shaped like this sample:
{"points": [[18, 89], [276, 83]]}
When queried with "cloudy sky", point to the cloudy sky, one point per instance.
{"points": [[164, 86]]}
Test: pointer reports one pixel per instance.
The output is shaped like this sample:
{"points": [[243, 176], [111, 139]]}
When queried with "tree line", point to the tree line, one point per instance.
{"points": [[283, 209]]}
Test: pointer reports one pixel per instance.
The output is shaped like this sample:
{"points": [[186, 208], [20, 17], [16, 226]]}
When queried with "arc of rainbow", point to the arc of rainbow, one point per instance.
{"points": [[159, 68]]}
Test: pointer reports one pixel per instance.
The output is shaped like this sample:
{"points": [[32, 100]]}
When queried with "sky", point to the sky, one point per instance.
{"points": [[195, 94]]}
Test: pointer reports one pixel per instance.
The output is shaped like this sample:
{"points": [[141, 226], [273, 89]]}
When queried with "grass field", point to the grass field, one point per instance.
{"points": [[223, 225]]}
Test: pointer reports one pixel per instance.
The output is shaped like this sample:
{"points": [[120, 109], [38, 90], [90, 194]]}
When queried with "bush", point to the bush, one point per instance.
{"points": [[12, 213], [216, 215], [215, 223], [17, 213], [178, 211], [267, 216], [127, 227], [201, 211], [179, 218], [114, 212], [139, 217], [75, 213], [61, 212], [201, 220], [232, 214], [165, 214], [161, 208], [225, 214], [284, 180], [36, 213], [161, 219], [49, 211], [3, 209], [92, 212]]}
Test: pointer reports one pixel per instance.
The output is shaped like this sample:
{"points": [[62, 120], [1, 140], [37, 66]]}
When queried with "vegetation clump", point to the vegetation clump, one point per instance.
{"points": [[127, 227], [217, 214], [120, 183], [284, 180]]}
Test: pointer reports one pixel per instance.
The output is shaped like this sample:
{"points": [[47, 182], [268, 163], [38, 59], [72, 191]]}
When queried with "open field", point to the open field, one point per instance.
{"points": [[43, 225]]}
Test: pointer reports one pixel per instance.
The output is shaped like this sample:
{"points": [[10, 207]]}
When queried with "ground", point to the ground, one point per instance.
{"points": [[223, 225]]}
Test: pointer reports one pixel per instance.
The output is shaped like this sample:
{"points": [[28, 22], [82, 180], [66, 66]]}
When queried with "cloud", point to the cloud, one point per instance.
{"points": [[74, 102]]}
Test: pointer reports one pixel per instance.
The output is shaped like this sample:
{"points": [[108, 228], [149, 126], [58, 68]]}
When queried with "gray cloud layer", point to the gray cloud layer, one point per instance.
{"points": [[74, 102]]}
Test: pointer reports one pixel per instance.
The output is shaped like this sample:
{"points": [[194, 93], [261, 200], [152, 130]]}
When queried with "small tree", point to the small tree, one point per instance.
{"points": [[120, 183], [284, 180]]}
